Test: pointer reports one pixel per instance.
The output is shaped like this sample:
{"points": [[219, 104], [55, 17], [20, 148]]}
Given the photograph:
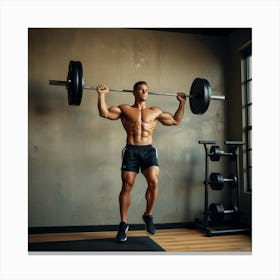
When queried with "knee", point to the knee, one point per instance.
{"points": [[127, 187], [153, 183]]}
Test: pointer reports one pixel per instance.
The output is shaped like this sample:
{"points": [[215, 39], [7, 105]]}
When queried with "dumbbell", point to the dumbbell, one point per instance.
{"points": [[217, 180], [217, 212], [216, 153]]}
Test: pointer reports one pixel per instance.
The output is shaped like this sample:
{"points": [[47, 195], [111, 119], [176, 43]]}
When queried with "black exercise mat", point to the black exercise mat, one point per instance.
{"points": [[141, 243]]}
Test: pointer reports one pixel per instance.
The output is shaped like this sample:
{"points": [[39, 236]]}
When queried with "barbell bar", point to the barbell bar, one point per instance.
{"points": [[220, 97], [200, 92]]}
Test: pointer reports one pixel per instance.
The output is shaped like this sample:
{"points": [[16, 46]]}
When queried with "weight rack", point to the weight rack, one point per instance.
{"points": [[205, 225]]}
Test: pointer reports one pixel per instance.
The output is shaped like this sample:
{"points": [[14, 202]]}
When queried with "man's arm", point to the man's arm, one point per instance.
{"points": [[111, 113], [168, 119]]}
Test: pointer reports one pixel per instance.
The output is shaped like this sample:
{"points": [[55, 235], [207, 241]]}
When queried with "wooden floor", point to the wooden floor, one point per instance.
{"points": [[171, 240]]}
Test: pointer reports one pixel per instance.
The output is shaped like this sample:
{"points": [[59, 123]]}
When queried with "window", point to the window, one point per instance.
{"points": [[246, 84]]}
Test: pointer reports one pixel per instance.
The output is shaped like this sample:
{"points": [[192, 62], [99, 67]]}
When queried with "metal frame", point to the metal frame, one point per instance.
{"points": [[246, 80], [205, 224]]}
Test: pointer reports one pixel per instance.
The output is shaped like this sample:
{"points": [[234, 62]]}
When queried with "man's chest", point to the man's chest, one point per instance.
{"points": [[140, 115]]}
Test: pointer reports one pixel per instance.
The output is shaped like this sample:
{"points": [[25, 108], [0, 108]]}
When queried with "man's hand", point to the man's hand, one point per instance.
{"points": [[102, 89], [181, 97]]}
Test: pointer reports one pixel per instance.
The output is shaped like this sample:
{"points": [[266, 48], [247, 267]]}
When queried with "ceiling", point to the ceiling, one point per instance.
{"points": [[201, 31]]}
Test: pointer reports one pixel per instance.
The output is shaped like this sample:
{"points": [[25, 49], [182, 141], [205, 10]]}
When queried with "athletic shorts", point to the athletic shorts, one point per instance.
{"points": [[135, 157]]}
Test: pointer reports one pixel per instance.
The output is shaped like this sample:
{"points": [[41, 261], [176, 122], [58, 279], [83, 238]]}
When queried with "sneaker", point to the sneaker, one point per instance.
{"points": [[123, 228], [150, 228]]}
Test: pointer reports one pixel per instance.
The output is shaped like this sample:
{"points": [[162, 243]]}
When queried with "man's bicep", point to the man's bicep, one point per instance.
{"points": [[166, 118], [114, 113]]}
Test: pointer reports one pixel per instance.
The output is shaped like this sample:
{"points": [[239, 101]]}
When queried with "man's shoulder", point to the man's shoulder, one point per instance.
{"points": [[124, 106], [155, 109]]}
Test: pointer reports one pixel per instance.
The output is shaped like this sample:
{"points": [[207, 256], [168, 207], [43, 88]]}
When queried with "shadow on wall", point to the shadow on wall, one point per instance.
{"points": [[192, 178], [46, 101]]}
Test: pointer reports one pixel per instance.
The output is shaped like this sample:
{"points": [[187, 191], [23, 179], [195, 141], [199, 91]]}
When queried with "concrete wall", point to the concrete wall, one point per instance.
{"points": [[74, 155]]}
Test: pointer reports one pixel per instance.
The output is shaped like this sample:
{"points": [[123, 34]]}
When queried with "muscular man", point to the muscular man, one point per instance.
{"points": [[139, 122]]}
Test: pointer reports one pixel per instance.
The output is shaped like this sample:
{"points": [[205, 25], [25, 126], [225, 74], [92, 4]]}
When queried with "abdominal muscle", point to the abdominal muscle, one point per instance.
{"points": [[139, 133]]}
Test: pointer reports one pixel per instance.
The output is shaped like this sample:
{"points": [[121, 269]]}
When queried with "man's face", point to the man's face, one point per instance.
{"points": [[141, 92]]}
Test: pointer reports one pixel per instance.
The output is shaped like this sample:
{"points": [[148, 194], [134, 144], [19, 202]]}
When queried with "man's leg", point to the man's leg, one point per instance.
{"points": [[128, 179], [151, 174]]}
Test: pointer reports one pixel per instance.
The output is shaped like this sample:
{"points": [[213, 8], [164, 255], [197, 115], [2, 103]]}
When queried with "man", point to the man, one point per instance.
{"points": [[139, 122]]}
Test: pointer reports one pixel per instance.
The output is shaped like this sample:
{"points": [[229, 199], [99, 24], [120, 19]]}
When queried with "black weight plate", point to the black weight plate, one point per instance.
{"points": [[200, 95], [216, 152], [80, 83], [216, 181], [76, 84], [216, 212], [70, 82]]}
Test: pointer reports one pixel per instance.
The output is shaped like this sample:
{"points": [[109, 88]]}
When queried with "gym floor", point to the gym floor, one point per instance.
{"points": [[171, 240]]}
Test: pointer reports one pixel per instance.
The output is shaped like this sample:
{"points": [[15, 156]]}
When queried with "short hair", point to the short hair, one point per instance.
{"points": [[139, 83]]}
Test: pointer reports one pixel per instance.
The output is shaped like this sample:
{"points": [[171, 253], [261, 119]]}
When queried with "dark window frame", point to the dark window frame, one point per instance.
{"points": [[246, 84]]}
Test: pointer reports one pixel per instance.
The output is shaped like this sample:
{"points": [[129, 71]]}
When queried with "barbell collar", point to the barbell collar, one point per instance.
{"points": [[229, 211], [58, 83], [228, 179], [218, 97]]}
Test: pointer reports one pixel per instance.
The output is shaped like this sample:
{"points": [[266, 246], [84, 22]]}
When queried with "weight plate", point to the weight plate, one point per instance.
{"points": [[70, 82], [200, 95], [75, 83], [216, 181], [215, 152], [81, 83], [216, 212]]}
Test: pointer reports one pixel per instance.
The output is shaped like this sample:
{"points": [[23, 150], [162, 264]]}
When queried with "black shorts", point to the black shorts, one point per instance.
{"points": [[135, 157]]}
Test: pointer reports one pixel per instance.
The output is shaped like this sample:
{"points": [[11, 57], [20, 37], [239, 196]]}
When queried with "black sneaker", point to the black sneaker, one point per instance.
{"points": [[123, 228], [150, 228]]}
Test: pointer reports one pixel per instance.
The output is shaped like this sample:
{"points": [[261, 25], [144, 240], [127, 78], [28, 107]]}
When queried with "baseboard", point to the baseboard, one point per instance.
{"points": [[67, 229]]}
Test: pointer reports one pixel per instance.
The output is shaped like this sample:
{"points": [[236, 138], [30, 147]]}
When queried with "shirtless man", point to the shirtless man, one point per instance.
{"points": [[139, 122]]}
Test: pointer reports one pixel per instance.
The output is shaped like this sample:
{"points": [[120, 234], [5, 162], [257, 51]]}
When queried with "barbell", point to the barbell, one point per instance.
{"points": [[217, 180], [217, 212], [216, 152], [200, 92]]}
